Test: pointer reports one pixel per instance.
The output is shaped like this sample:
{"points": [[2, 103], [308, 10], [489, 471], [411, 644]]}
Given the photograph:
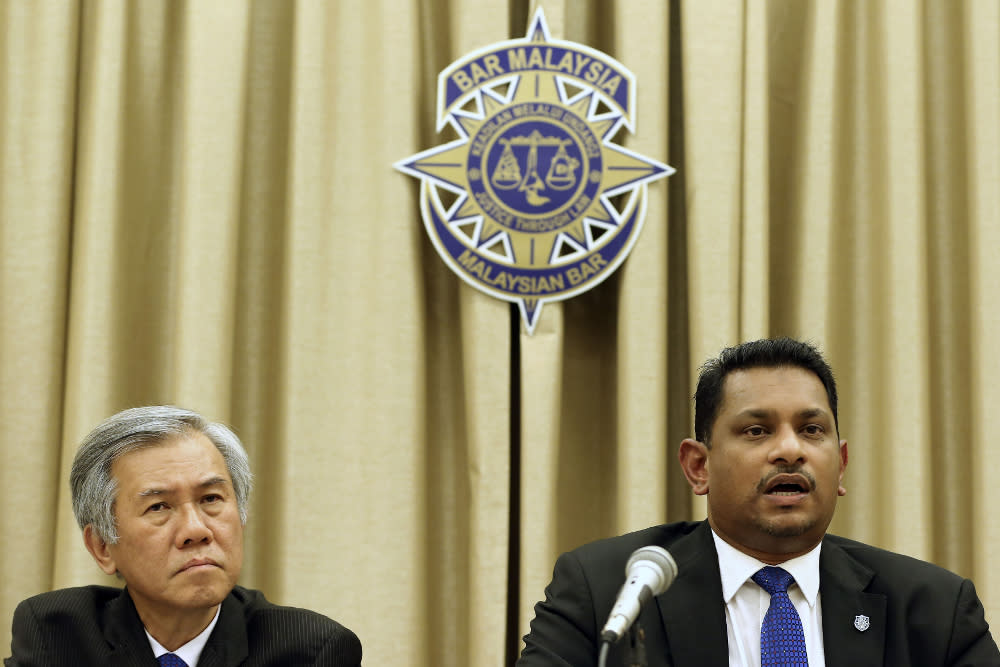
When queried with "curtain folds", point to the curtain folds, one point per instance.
{"points": [[198, 206]]}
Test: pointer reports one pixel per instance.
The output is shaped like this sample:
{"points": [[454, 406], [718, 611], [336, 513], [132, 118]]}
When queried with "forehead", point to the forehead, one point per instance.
{"points": [[179, 460], [773, 388]]}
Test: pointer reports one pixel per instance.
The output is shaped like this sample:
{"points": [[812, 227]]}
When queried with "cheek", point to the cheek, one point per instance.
{"points": [[134, 556], [142, 539], [732, 473], [833, 465], [230, 532]]}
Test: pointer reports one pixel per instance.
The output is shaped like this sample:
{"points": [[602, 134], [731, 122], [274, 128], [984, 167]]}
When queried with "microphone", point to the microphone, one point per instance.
{"points": [[649, 572]]}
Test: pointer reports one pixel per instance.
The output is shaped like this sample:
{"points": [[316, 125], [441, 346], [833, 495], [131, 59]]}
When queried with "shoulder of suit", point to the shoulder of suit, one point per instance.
{"points": [[78, 597], [258, 609], [890, 563], [621, 546]]}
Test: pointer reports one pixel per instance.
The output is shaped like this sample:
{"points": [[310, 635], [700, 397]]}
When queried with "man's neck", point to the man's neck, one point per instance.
{"points": [[773, 551], [175, 628]]}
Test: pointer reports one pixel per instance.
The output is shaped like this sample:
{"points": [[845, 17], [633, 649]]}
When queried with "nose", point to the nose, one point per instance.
{"points": [[787, 447], [192, 528]]}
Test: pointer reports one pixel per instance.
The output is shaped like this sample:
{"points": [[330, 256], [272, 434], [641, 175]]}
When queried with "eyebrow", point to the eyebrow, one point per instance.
{"points": [[762, 413], [206, 484]]}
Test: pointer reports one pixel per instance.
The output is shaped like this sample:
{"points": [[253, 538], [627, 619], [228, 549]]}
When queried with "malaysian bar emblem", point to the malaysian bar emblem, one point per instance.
{"points": [[534, 202]]}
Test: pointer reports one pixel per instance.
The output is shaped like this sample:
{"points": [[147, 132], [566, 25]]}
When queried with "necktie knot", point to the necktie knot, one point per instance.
{"points": [[773, 579], [171, 660]]}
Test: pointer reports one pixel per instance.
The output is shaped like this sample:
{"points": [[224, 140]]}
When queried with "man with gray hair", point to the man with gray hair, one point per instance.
{"points": [[161, 495]]}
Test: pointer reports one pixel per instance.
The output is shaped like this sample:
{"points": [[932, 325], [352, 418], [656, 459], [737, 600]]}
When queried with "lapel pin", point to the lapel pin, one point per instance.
{"points": [[861, 622]]}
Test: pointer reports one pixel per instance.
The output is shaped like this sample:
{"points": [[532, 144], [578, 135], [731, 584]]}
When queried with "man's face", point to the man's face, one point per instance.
{"points": [[773, 471], [180, 546]]}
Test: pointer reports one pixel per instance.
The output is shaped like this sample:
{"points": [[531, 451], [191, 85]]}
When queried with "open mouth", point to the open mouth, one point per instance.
{"points": [[787, 490], [787, 485]]}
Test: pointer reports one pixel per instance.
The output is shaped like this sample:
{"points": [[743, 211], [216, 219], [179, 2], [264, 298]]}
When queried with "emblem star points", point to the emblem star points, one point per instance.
{"points": [[534, 202]]}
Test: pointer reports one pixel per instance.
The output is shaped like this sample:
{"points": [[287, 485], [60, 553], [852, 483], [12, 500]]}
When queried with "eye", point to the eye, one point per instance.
{"points": [[212, 498], [755, 431], [813, 429], [156, 507]]}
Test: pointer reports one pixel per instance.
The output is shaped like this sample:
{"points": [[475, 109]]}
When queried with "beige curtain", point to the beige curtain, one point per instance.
{"points": [[198, 206]]}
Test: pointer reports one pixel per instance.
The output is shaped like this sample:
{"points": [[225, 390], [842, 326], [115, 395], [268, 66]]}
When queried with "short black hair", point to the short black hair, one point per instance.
{"points": [[764, 353]]}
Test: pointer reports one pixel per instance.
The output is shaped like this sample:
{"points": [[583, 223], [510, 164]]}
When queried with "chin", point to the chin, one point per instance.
{"points": [[788, 528], [203, 602], [207, 595]]}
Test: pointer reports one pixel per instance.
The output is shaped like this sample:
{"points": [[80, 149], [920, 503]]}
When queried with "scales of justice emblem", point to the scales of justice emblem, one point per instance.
{"points": [[534, 202]]}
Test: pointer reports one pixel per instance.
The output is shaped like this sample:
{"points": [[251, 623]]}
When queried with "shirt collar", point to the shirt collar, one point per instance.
{"points": [[190, 652], [737, 567]]}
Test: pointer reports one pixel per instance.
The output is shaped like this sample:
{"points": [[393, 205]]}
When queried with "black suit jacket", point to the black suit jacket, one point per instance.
{"points": [[918, 613], [99, 625]]}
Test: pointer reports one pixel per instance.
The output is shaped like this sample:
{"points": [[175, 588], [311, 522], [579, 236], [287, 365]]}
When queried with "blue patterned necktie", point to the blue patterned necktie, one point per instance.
{"points": [[782, 642], [171, 660]]}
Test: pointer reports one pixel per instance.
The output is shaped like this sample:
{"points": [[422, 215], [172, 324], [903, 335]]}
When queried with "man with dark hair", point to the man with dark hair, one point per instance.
{"points": [[760, 582], [161, 496]]}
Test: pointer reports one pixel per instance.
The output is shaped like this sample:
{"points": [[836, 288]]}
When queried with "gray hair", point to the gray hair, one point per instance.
{"points": [[94, 488]]}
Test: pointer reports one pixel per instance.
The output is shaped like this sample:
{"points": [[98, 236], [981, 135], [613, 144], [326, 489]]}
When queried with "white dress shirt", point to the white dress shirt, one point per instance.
{"points": [[190, 652], [747, 603]]}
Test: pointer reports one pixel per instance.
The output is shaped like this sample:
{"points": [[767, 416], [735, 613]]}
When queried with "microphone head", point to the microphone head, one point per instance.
{"points": [[658, 560], [649, 572]]}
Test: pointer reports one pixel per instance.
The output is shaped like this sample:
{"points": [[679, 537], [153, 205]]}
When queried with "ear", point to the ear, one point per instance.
{"points": [[841, 491], [694, 462], [98, 548]]}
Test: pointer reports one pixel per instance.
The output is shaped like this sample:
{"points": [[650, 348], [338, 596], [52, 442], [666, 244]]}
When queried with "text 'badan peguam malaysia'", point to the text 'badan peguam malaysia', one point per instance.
{"points": [[533, 202]]}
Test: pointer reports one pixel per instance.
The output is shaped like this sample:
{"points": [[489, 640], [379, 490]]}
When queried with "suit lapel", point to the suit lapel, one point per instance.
{"points": [[694, 617], [227, 645], [854, 622], [127, 641], [129, 646]]}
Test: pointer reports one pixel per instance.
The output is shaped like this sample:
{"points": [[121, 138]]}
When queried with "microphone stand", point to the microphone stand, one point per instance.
{"points": [[602, 657], [635, 654]]}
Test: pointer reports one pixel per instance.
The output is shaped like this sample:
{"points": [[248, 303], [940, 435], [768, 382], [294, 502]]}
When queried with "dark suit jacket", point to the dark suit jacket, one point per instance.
{"points": [[98, 625], [919, 614]]}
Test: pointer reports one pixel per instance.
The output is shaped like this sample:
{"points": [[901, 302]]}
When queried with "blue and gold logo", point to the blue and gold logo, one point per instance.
{"points": [[534, 202]]}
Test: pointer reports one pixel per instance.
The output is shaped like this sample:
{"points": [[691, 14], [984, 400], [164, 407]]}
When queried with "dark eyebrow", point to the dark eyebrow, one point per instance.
{"points": [[761, 413], [756, 413], [214, 481], [206, 484]]}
